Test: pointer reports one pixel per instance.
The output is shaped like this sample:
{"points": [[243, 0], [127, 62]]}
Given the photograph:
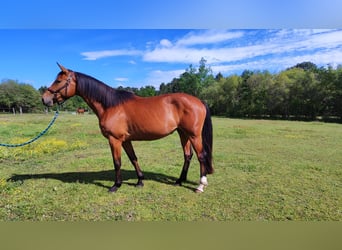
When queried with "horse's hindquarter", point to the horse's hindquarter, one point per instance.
{"points": [[192, 113]]}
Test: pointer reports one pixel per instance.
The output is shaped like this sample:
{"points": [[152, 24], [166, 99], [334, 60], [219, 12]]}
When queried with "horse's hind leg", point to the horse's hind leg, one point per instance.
{"points": [[128, 147], [186, 144], [201, 155]]}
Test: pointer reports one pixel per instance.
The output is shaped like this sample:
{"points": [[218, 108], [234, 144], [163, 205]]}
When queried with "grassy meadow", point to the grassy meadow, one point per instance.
{"points": [[264, 171]]}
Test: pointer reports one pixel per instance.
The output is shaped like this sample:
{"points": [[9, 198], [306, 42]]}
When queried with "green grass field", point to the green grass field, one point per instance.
{"points": [[264, 170]]}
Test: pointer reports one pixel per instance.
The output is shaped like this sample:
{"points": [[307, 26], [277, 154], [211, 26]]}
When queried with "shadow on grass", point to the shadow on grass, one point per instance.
{"points": [[96, 177]]}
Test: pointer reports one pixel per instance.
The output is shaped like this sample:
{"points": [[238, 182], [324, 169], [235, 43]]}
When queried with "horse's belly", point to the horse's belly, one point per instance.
{"points": [[150, 137], [148, 134]]}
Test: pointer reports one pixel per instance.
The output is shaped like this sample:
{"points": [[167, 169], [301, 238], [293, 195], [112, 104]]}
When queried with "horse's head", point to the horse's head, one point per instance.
{"points": [[63, 87]]}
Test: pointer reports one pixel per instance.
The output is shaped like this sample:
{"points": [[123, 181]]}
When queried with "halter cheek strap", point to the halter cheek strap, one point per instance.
{"points": [[65, 86]]}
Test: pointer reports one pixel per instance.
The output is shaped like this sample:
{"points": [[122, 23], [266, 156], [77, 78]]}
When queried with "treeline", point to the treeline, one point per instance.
{"points": [[304, 92], [300, 92], [16, 97]]}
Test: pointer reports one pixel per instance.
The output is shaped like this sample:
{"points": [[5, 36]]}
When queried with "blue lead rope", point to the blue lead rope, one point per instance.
{"points": [[34, 139]]}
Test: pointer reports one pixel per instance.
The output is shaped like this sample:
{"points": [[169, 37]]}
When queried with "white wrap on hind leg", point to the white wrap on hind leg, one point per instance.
{"points": [[203, 183]]}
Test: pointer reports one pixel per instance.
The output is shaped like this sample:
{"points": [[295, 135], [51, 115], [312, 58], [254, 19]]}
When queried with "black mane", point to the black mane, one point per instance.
{"points": [[96, 90]]}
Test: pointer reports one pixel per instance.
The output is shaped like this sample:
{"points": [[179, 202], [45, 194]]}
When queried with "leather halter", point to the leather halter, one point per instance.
{"points": [[55, 92]]}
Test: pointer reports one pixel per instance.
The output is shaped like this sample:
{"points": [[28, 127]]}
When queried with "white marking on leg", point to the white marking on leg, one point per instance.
{"points": [[203, 183], [200, 188]]}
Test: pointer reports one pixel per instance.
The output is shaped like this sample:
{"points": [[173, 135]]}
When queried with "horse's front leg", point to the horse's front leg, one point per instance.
{"points": [[115, 146], [128, 147]]}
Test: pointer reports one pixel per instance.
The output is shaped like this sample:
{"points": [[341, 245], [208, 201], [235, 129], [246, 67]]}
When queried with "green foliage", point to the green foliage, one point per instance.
{"points": [[300, 92], [192, 81], [146, 91], [15, 95], [222, 96]]}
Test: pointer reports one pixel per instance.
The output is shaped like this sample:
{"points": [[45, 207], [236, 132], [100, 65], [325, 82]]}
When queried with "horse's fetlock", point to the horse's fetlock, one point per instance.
{"points": [[204, 181]]}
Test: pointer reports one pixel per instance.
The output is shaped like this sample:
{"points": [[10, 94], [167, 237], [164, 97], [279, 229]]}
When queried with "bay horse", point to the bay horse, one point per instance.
{"points": [[124, 117], [80, 111]]}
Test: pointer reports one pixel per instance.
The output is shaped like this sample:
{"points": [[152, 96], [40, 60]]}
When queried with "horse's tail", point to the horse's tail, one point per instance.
{"points": [[207, 141]]}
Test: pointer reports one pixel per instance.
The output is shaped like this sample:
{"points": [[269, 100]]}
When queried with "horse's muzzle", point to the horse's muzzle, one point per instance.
{"points": [[47, 100]]}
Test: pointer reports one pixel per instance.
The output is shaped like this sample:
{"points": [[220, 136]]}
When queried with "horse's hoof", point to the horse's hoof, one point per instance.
{"points": [[178, 183], [139, 185], [200, 189], [113, 189]]}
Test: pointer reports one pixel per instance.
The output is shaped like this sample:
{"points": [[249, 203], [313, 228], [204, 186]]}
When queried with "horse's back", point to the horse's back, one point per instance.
{"points": [[187, 112], [179, 104]]}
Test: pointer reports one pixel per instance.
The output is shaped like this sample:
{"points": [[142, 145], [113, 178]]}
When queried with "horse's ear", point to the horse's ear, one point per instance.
{"points": [[62, 68]]}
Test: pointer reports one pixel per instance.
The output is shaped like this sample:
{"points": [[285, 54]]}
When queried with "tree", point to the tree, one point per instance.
{"points": [[221, 96], [192, 81], [147, 91], [218, 77], [204, 74], [304, 98], [330, 81], [244, 95], [259, 86], [164, 88], [19, 96], [279, 93], [189, 83], [306, 66], [337, 94]]}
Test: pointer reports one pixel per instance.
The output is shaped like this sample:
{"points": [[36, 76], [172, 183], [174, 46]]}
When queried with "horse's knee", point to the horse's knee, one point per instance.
{"points": [[188, 157]]}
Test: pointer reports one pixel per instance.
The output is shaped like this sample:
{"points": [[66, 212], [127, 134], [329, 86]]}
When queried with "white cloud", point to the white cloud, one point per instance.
{"points": [[280, 44], [217, 55], [165, 43], [281, 63], [156, 77], [208, 37], [173, 55], [184, 50], [229, 51], [121, 79], [95, 55]]}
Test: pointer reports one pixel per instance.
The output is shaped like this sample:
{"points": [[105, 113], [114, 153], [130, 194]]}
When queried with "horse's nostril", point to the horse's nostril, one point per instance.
{"points": [[47, 102], [44, 102]]}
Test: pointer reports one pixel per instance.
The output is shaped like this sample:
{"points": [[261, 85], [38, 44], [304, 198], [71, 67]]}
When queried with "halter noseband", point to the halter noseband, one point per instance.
{"points": [[65, 86]]}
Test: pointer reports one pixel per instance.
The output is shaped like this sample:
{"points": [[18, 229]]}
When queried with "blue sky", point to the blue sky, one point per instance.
{"points": [[170, 14], [140, 57], [138, 43]]}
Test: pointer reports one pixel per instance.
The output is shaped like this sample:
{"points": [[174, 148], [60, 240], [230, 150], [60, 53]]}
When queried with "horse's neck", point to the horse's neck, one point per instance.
{"points": [[95, 106]]}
